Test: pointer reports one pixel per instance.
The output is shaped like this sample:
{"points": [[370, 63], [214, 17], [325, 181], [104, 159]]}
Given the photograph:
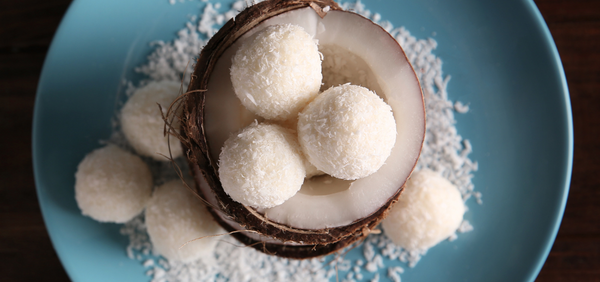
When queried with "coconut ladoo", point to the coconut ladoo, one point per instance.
{"points": [[261, 166], [429, 211], [327, 213], [347, 132], [278, 72]]}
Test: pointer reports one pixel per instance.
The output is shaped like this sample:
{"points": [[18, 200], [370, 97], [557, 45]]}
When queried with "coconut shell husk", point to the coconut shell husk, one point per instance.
{"points": [[308, 243]]}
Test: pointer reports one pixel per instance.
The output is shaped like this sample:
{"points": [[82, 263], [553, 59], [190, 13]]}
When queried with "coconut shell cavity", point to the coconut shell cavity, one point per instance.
{"points": [[112, 185], [347, 132], [277, 72]]}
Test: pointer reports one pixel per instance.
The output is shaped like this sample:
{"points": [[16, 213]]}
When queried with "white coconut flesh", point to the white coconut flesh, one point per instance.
{"points": [[323, 201]]}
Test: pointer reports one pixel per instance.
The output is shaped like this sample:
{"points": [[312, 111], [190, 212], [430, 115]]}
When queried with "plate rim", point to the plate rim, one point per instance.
{"points": [[530, 7], [568, 167]]}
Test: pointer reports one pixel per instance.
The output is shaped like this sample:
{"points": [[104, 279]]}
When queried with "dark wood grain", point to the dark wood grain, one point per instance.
{"points": [[575, 26], [26, 30]]}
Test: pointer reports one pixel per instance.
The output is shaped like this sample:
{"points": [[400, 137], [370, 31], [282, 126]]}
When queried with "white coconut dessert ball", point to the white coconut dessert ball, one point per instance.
{"points": [[429, 210], [311, 170], [142, 122], [261, 166], [174, 217], [112, 185], [278, 72], [347, 131]]}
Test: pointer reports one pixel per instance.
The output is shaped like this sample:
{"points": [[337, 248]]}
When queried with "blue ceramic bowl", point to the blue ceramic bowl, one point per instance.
{"points": [[502, 60]]}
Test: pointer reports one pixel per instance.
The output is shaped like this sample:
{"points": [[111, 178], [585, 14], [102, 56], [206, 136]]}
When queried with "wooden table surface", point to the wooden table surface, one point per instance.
{"points": [[26, 30]]}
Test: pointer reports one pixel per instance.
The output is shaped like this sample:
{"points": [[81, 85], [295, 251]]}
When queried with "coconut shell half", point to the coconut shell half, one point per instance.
{"points": [[263, 243], [282, 239]]}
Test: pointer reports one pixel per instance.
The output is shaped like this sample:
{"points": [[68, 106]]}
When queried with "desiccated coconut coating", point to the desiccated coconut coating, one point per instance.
{"points": [[429, 210], [347, 131], [261, 166], [175, 216], [278, 72], [142, 123], [112, 185]]}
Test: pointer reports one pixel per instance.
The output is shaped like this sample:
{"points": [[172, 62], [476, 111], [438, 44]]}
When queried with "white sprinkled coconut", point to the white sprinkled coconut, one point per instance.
{"points": [[142, 122], [175, 216], [428, 211], [347, 132], [278, 72], [261, 166], [112, 185]]}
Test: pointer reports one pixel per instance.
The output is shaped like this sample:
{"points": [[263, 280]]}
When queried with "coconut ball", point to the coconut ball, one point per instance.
{"points": [[261, 166], [311, 170], [428, 211], [174, 217], [142, 122], [112, 185], [347, 131], [278, 72]]}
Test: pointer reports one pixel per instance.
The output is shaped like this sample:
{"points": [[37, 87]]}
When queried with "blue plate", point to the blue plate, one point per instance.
{"points": [[502, 60]]}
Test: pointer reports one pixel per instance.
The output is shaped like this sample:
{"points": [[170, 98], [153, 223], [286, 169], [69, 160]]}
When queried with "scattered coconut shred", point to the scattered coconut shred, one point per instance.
{"points": [[444, 151]]}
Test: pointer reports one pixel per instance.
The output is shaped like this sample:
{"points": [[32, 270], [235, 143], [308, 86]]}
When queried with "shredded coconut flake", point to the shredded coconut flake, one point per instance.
{"points": [[465, 226], [460, 107]]}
